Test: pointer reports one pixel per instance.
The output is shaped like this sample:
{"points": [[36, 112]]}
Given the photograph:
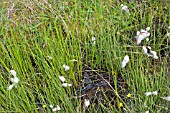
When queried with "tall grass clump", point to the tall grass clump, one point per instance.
{"points": [[92, 39]]}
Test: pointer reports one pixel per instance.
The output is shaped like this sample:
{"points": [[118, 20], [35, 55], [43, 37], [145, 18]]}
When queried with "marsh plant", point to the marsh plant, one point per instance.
{"points": [[76, 56]]}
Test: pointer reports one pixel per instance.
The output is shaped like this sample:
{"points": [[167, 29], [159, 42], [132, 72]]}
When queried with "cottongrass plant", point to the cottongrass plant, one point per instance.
{"points": [[151, 93], [37, 37], [86, 102], [152, 53], [142, 34], [125, 61], [125, 8], [66, 67], [167, 98], [14, 80]]}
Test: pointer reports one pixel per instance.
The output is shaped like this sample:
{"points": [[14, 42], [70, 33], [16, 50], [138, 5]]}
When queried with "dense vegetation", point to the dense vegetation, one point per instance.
{"points": [[90, 38]]}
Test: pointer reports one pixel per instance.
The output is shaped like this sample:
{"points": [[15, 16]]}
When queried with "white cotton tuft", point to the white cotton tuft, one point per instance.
{"points": [[151, 93], [62, 78], [167, 98], [13, 72], [140, 38], [51, 106], [149, 47], [154, 54], [143, 31], [10, 87], [147, 111], [69, 84], [147, 39], [125, 8], [66, 67], [94, 40], [86, 103], [155, 92], [148, 93], [14, 80], [142, 35], [148, 28], [49, 57], [125, 61], [122, 5], [56, 108], [138, 32], [145, 50], [66, 84]]}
